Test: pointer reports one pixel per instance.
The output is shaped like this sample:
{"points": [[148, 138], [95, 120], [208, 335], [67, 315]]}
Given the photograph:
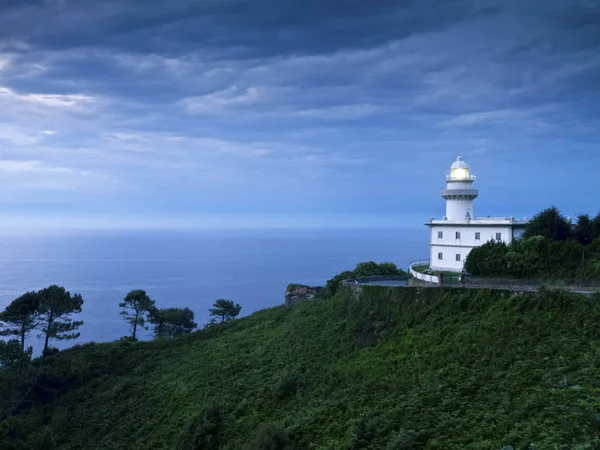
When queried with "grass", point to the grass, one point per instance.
{"points": [[387, 369], [421, 269]]}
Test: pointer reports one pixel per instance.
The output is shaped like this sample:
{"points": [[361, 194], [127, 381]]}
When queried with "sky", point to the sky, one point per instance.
{"points": [[264, 113]]}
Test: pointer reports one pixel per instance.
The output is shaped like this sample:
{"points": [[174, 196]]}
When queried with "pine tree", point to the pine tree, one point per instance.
{"points": [[136, 307], [56, 306], [19, 318], [225, 309]]}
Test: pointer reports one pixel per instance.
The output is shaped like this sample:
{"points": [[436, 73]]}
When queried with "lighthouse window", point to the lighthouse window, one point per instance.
{"points": [[477, 236], [440, 234], [498, 236], [440, 256], [458, 256], [458, 235]]}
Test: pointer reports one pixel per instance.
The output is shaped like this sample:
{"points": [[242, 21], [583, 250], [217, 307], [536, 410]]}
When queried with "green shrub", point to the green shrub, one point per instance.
{"points": [[202, 431], [403, 440], [273, 437], [43, 439], [363, 433], [285, 386]]}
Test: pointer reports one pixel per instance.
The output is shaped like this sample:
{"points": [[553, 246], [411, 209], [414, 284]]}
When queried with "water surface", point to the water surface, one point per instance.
{"points": [[183, 268]]}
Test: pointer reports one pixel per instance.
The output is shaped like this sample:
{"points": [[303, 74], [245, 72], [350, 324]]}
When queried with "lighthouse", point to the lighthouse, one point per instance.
{"points": [[459, 193], [459, 231]]}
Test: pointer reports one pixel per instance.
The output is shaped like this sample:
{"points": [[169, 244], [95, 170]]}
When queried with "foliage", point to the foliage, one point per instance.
{"points": [[535, 257], [403, 440], [285, 386], [583, 230], [172, 322], [55, 309], [488, 258], [363, 269], [225, 310], [432, 368], [363, 433], [20, 316], [273, 437], [596, 227], [135, 307], [202, 431], [549, 223], [549, 248], [11, 353]]}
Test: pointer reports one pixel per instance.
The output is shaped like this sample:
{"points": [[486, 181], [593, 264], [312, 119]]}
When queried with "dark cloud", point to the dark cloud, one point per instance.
{"points": [[240, 28]]}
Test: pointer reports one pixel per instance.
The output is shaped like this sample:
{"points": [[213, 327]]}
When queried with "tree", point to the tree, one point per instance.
{"points": [[172, 322], [55, 308], [549, 223], [583, 231], [11, 353], [596, 230], [225, 309], [20, 317], [136, 306]]}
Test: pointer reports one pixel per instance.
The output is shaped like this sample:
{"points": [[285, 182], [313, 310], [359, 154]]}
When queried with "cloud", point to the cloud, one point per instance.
{"points": [[234, 105], [224, 100], [49, 100], [11, 166]]}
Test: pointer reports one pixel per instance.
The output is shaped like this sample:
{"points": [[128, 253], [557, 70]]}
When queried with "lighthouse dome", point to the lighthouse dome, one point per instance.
{"points": [[459, 164]]}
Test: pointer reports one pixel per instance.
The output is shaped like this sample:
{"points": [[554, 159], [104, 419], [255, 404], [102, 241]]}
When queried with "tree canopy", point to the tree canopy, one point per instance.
{"points": [[56, 307], [363, 269], [11, 353], [551, 247], [172, 322], [19, 317], [583, 230], [549, 223], [225, 309], [135, 308]]}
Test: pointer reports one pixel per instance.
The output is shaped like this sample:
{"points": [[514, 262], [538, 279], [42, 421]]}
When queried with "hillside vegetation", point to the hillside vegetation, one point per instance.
{"points": [[389, 369]]}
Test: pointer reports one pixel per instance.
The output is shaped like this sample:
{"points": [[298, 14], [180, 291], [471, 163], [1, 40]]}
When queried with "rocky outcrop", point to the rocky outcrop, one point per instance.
{"points": [[296, 293]]}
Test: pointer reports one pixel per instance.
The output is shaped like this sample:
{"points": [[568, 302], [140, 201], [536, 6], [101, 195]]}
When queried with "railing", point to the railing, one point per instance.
{"points": [[372, 278], [422, 276]]}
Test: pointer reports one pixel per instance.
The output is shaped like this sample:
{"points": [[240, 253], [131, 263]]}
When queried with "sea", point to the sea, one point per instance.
{"points": [[188, 268]]}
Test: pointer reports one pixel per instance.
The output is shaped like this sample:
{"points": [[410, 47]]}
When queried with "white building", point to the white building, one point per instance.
{"points": [[453, 237]]}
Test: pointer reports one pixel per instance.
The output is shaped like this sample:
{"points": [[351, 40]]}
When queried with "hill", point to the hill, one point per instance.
{"points": [[387, 369]]}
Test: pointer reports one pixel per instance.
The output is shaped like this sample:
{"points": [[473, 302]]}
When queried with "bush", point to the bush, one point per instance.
{"points": [[273, 437], [51, 351], [202, 431], [42, 439], [10, 353], [285, 386], [363, 269], [487, 259], [403, 440], [363, 433]]}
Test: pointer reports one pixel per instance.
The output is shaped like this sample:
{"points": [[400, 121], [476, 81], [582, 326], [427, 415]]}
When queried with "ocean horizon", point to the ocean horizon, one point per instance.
{"points": [[180, 268]]}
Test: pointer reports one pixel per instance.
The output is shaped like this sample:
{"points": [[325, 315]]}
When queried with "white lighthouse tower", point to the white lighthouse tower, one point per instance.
{"points": [[459, 193], [453, 237]]}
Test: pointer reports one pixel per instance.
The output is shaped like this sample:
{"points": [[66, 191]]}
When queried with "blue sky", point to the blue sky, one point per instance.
{"points": [[299, 113]]}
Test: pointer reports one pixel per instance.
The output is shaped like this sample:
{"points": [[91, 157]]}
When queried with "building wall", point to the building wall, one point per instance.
{"points": [[450, 246]]}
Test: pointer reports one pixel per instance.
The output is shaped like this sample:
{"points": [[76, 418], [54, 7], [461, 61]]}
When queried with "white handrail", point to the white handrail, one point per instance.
{"points": [[421, 276]]}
